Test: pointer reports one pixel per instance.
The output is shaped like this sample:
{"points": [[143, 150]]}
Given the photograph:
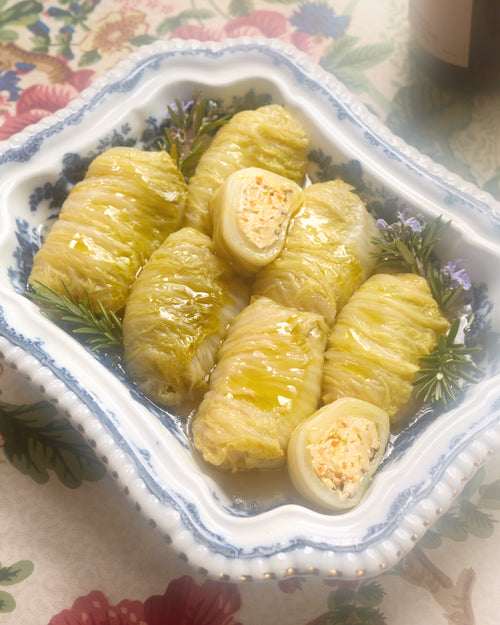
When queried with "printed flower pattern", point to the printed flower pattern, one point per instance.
{"points": [[95, 608], [260, 23], [113, 35], [9, 82], [37, 102], [183, 603], [23, 106], [317, 18]]}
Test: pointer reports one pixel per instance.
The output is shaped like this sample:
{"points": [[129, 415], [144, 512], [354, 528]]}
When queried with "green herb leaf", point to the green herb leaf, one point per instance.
{"points": [[405, 248], [190, 129], [103, 328], [445, 369], [445, 296]]}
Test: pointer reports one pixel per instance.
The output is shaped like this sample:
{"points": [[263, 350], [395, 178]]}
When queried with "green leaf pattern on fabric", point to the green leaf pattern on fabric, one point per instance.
{"points": [[10, 575], [241, 8], [357, 606], [15, 573], [466, 516], [361, 604], [37, 440], [489, 496], [19, 14], [348, 62]]}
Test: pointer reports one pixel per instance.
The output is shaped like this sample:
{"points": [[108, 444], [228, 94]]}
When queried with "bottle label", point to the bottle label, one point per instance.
{"points": [[443, 28]]}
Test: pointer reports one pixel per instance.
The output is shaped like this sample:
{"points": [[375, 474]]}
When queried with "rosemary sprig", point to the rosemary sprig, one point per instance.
{"points": [[408, 245], [189, 130], [445, 369], [103, 329], [445, 295]]}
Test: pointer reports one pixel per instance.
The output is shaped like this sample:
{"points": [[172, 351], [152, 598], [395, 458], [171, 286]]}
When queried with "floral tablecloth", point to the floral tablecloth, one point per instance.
{"points": [[73, 549]]}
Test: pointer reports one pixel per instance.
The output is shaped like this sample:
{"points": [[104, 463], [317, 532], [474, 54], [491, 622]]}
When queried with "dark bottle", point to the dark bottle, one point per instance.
{"points": [[457, 42]]}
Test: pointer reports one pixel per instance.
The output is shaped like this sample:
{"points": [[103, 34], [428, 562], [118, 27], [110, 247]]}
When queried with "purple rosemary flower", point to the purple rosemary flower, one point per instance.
{"points": [[381, 224], [458, 277], [411, 222], [186, 106]]}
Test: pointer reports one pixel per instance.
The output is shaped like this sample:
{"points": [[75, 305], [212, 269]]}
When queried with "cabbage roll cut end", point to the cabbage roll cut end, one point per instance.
{"points": [[251, 213], [176, 316], [269, 137], [267, 378], [333, 454]]}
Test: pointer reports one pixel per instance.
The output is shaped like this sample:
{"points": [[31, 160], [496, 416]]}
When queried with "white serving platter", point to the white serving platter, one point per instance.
{"points": [[246, 528]]}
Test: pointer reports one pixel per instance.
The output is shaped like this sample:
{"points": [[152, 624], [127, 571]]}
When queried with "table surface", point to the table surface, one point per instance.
{"points": [[80, 553]]}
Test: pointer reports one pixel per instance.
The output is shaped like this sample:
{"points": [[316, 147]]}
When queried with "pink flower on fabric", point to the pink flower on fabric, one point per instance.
{"points": [[258, 23], [200, 33], [269, 24], [38, 101], [95, 608], [183, 603], [34, 103], [314, 47], [264, 23], [186, 603], [81, 78]]}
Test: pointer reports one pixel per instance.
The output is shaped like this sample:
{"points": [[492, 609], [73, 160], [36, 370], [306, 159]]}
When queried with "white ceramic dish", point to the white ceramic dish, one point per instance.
{"points": [[245, 528]]}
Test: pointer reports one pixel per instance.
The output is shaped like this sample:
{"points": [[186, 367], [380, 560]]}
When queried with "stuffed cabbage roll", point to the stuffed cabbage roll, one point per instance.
{"points": [[268, 137], [251, 213], [333, 454], [266, 380], [109, 225], [378, 339], [177, 314], [326, 255]]}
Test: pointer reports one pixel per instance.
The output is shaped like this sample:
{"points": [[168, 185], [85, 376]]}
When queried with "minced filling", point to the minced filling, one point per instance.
{"points": [[343, 457], [262, 211]]}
